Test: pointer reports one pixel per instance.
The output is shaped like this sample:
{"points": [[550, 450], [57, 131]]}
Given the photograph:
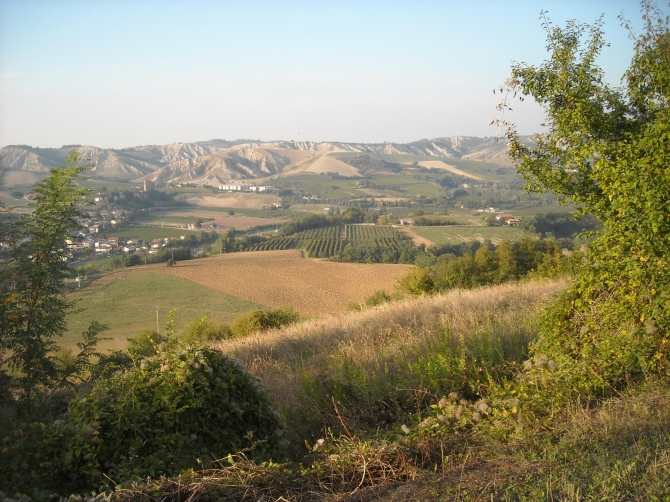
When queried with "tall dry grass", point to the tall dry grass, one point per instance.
{"points": [[374, 361]]}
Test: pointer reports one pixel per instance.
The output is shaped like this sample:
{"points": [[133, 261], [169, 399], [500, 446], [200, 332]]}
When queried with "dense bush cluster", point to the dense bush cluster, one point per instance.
{"points": [[182, 408], [490, 264]]}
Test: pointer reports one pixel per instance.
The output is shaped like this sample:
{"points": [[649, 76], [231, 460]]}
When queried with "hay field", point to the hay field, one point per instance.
{"points": [[387, 335], [13, 178], [443, 165], [328, 164], [276, 278], [235, 200]]}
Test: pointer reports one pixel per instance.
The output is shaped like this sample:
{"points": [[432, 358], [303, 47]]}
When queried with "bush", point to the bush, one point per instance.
{"points": [[182, 409], [259, 320], [202, 330], [377, 298], [416, 282]]}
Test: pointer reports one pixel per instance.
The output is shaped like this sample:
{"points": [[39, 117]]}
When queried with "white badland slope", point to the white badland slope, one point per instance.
{"points": [[217, 161]]}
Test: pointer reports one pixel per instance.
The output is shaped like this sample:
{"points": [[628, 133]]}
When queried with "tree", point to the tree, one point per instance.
{"points": [[34, 305], [226, 242], [607, 150]]}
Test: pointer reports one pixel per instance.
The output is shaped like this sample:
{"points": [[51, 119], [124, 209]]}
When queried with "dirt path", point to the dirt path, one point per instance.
{"points": [[416, 238]]}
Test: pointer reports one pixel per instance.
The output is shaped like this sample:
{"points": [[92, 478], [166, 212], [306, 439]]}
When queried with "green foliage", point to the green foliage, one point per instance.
{"points": [[433, 220], [261, 320], [180, 409], [490, 265], [607, 151], [377, 298], [34, 306], [392, 389], [226, 242], [416, 282], [202, 330], [558, 225], [145, 344]]}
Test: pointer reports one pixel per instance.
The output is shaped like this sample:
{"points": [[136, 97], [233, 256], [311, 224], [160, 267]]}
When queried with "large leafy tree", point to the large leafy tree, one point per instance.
{"points": [[607, 150], [33, 269]]}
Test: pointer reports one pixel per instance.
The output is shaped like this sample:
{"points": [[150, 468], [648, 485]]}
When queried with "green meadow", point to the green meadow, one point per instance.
{"points": [[461, 233], [126, 302]]}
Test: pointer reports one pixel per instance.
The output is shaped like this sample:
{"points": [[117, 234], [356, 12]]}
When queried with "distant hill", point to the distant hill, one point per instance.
{"points": [[217, 161]]}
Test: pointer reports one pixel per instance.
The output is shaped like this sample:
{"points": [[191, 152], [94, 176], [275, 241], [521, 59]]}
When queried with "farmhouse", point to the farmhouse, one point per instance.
{"points": [[235, 188]]}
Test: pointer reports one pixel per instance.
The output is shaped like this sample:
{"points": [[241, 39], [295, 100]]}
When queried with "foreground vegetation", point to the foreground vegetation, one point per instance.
{"points": [[465, 395]]}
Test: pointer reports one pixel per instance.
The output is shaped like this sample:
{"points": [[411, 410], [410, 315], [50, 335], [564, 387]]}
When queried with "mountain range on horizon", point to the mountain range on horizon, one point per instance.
{"points": [[218, 161]]}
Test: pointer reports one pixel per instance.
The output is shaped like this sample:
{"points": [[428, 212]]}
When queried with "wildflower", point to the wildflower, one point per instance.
{"points": [[428, 422], [527, 365], [405, 429], [483, 406], [476, 416], [551, 365], [540, 361], [319, 444], [443, 403]]}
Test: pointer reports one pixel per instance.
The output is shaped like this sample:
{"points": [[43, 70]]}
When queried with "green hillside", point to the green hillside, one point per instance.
{"points": [[127, 301]]}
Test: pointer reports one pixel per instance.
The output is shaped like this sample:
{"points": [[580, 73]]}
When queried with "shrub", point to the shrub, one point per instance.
{"points": [[416, 282], [377, 298], [202, 330], [182, 409], [261, 320]]}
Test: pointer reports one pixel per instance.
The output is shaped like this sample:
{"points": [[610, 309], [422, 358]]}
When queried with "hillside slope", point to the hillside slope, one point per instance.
{"points": [[217, 161]]}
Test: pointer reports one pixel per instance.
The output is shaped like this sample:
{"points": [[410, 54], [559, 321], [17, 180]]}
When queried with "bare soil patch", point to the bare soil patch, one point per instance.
{"points": [[328, 164], [277, 278], [443, 165], [242, 200], [416, 238], [12, 178]]}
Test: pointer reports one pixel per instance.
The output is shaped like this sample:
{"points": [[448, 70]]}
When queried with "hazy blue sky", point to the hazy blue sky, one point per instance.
{"points": [[125, 73]]}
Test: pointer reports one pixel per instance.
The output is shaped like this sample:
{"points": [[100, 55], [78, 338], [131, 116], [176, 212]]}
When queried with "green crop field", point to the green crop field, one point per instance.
{"points": [[127, 301], [404, 185], [460, 233], [328, 241]]}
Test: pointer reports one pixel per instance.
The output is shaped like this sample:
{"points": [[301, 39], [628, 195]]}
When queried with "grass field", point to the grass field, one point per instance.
{"points": [[408, 186], [127, 301], [457, 234]]}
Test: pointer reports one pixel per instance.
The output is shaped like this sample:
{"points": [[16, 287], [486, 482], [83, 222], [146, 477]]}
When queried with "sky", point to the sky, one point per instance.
{"points": [[116, 73]]}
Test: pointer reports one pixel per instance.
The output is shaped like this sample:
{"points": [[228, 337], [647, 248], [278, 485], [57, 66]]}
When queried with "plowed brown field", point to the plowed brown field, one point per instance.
{"points": [[277, 278]]}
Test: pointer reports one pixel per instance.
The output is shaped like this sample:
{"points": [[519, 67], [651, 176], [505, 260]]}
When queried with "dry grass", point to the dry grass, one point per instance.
{"points": [[285, 278], [236, 200], [331, 165], [416, 238], [377, 337], [443, 165]]}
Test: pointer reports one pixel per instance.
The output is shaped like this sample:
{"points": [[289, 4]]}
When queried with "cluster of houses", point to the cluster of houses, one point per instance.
{"points": [[87, 238], [508, 219], [115, 244], [242, 187]]}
